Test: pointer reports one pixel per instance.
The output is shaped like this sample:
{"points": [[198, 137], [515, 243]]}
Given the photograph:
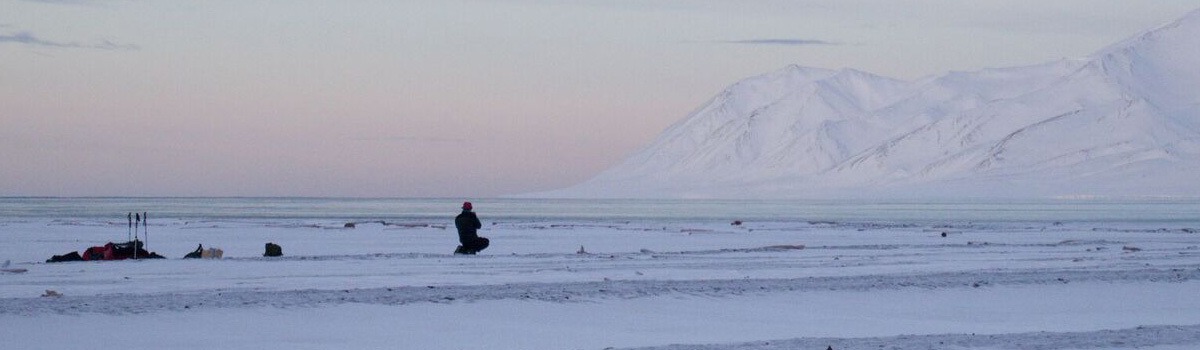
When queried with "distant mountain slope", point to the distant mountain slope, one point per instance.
{"points": [[1123, 122]]}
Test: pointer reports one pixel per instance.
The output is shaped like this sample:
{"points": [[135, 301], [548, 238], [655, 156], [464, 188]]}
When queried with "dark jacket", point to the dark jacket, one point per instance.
{"points": [[467, 223]]}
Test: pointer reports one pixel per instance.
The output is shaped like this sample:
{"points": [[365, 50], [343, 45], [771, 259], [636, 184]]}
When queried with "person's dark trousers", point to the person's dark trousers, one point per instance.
{"points": [[474, 246]]}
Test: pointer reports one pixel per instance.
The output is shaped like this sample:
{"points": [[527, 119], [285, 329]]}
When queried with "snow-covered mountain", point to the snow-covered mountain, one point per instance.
{"points": [[1122, 122]]}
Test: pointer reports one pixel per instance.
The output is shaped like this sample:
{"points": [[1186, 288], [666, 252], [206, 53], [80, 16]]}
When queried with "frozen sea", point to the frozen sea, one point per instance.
{"points": [[607, 274]]}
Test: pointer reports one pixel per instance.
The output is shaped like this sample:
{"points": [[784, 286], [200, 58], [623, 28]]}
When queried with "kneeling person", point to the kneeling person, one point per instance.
{"points": [[467, 223]]}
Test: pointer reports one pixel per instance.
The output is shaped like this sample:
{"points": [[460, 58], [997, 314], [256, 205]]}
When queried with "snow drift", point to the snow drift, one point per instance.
{"points": [[1122, 122]]}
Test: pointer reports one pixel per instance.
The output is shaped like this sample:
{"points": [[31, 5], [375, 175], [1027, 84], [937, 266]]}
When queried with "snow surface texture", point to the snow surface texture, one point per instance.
{"points": [[599, 284], [1123, 122]]}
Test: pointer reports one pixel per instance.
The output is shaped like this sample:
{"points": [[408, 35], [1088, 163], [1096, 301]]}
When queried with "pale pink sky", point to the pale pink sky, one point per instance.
{"points": [[444, 98]]}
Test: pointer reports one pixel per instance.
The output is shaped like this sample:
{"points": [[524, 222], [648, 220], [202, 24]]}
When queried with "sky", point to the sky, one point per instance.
{"points": [[445, 98]]}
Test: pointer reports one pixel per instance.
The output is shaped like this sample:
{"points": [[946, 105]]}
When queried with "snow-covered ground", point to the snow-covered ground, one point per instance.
{"points": [[692, 284]]}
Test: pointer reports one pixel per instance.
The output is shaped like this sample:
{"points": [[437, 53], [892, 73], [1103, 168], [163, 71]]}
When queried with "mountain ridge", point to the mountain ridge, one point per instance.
{"points": [[1122, 122]]}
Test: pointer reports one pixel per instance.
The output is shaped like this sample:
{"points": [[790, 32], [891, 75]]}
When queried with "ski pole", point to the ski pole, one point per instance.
{"points": [[129, 232], [145, 230], [138, 218]]}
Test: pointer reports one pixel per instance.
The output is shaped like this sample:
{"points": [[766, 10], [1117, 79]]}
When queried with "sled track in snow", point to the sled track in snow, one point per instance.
{"points": [[1139, 337], [647, 252], [578, 291]]}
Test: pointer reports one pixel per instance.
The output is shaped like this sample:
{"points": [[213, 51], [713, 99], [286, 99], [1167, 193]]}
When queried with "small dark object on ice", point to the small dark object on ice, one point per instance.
{"points": [[736, 223], [72, 256], [829, 348], [348, 225], [273, 250], [195, 254], [943, 234]]}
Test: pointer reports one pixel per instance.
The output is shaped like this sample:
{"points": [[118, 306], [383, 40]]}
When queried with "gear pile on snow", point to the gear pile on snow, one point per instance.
{"points": [[132, 249], [110, 251]]}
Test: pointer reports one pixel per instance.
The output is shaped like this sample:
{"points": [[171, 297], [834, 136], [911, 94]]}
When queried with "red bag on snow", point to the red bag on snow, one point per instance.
{"points": [[99, 253]]}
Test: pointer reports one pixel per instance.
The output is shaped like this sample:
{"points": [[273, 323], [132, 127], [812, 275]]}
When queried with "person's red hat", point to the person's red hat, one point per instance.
{"points": [[467, 205]]}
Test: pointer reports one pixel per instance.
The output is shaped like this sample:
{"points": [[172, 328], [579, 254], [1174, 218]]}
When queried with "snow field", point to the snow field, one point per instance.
{"points": [[700, 284]]}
